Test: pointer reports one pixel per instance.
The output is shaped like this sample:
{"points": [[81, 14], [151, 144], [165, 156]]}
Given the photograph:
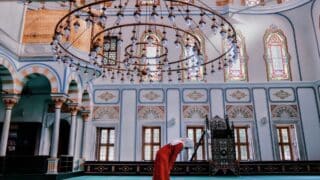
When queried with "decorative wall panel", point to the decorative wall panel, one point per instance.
{"points": [[195, 95], [238, 95], [106, 113], [282, 94], [195, 111], [106, 96], [284, 111], [151, 96], [240, 111], [151, 113]]}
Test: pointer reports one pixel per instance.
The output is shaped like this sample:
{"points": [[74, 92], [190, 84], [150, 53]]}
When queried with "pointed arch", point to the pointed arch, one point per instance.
{"points": [[276, 55], [38, 69], [238, 69], [73, 87], [86, 103]]}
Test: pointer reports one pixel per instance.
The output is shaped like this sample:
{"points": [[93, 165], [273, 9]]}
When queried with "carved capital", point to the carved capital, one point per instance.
{"points": [[10, 101], [73, 109], [85, 115], [58, 100]]}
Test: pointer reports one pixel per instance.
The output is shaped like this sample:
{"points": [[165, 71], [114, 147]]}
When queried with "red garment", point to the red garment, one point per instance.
{"points": [[164, 162]]}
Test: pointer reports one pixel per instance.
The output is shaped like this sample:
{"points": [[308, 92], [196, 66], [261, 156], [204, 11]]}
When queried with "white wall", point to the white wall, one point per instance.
{"points": [[306, 41], [310, 121], [128, 122], [11, 18], [263, 124]]}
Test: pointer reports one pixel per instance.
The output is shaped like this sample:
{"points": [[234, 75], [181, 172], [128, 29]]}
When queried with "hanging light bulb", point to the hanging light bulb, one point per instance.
{"points": [[223, 33], [164, 41], [76, 26], [202, 23], [120, 42], [67, 31], [214, 28], [171, 17], [137, 15], [176, 42], [188, 20], [103, 19]]}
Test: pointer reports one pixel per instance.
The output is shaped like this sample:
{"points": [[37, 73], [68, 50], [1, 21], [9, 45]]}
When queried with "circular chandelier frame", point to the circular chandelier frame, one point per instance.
{"points": [[64, 24]]}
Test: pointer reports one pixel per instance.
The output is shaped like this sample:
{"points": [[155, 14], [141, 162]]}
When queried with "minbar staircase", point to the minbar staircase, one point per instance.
{"points": [[221, 136]]}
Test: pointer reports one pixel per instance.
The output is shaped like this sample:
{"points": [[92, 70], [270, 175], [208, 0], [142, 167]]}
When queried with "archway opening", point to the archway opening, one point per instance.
{"points": [[27, 117]]}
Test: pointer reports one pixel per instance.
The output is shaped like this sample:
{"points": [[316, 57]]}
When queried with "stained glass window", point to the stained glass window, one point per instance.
{"points": [[151, 51], [110, 50], [105, 146], [194, 52], [151, 142], [242, 143], [237, 69], [276, 55], [284, 143], [195, 134]]}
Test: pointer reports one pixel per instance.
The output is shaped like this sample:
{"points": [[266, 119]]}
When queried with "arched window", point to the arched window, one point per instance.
{"points": [[276, 55], [237, 70], [195, 58], [152, 50]]}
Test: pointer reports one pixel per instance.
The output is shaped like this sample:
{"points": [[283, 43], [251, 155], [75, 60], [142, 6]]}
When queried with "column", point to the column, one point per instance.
{"points": [[53, 160], [85, 114], [74, 110], [9, 103]]}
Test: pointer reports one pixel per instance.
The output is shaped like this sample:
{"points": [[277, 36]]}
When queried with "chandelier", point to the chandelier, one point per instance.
{"points": [[145, 40]]}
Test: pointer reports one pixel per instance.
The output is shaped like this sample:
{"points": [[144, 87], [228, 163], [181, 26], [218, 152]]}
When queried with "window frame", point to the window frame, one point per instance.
{"points": [[107, 145], [282, 144], [238, 143], [285, 58], [111, 38], [152, 144], [194, 128]]}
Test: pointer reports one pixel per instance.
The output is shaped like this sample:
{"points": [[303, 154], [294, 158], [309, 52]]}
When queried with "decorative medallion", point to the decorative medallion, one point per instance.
{"points": [[195, 95], [151, 96], [282, 94], [107, 96], [238, 95]]}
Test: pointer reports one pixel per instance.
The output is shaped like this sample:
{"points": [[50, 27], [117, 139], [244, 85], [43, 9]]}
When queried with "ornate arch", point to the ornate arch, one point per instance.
{"points": [[238, 69], [38, 69], [276, 55], [150, 112], [7, 79], [240, 111], [284, 111], [73, 87], [195, 111], [86, 102]]}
